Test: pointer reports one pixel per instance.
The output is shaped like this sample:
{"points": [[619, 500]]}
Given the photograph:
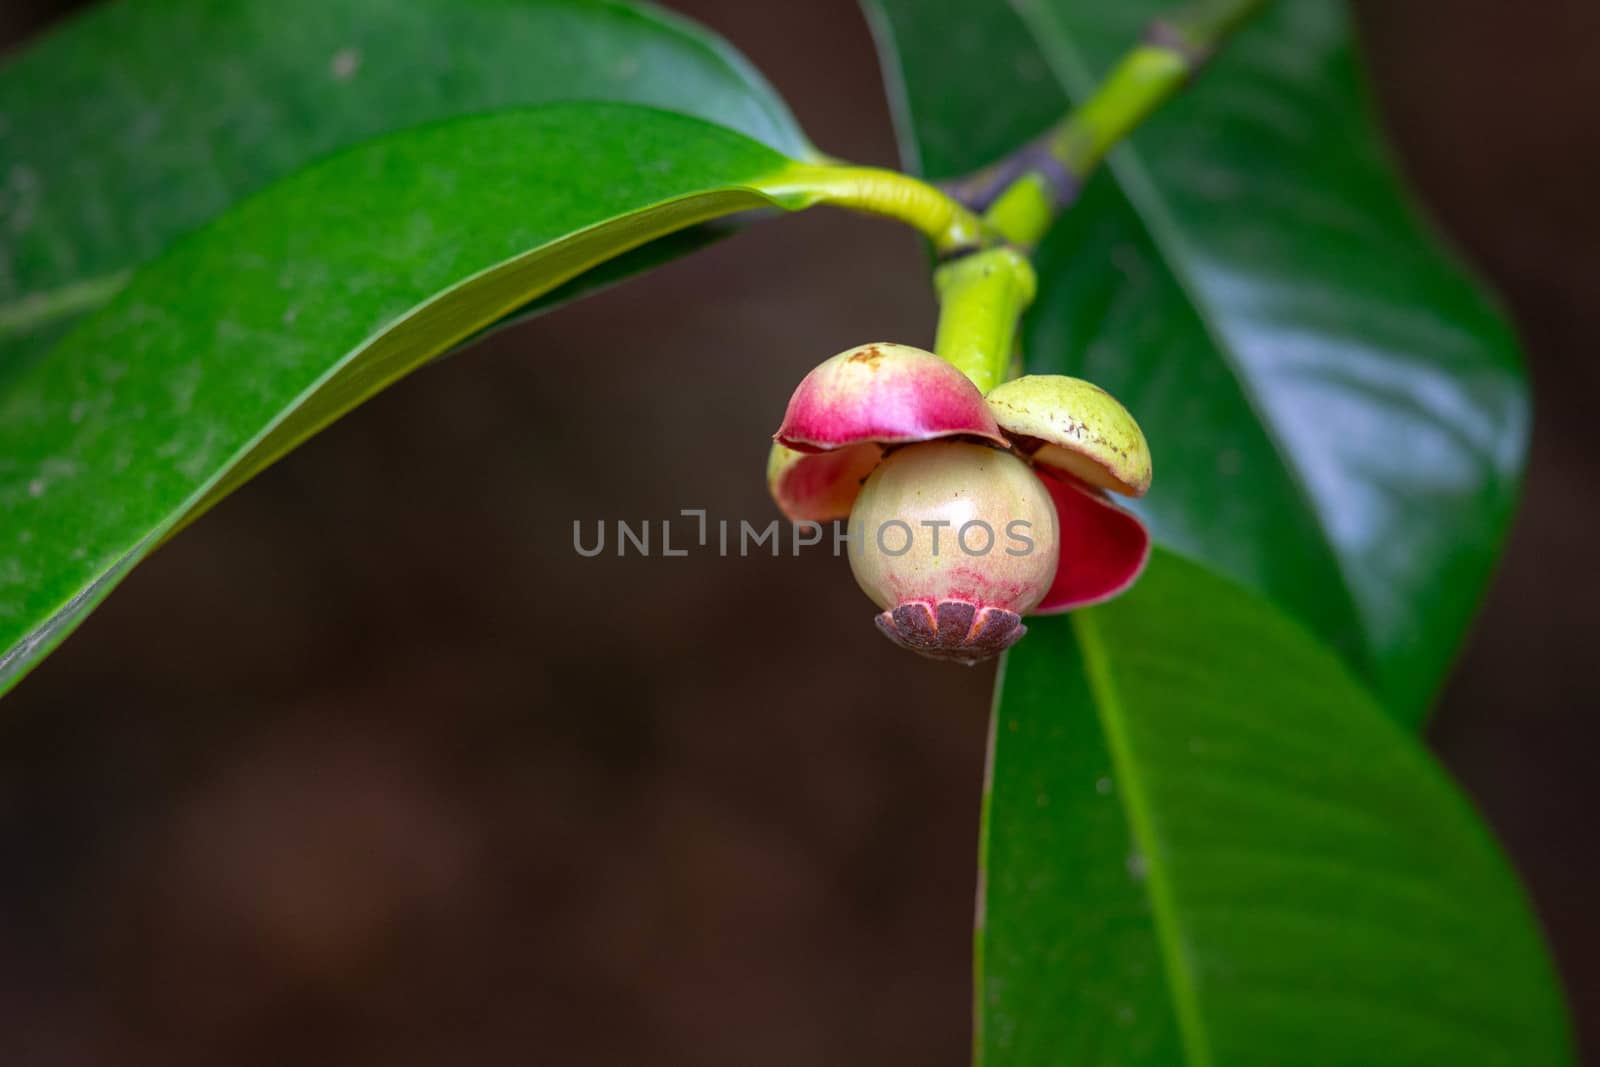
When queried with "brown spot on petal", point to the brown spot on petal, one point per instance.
{"points": [[954, 630]]}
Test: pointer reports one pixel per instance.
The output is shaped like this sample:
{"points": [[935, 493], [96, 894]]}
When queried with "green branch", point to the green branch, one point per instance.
{"points": [[981, 300], [981, 226], [1022, 194], [983, 294], [940, 218]]}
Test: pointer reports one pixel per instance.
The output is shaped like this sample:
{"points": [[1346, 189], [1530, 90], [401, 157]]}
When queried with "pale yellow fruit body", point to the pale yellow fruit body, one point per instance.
{"points": [[952, 521]]}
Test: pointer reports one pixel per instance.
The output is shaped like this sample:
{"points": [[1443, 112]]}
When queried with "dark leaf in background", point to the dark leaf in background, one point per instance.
{"points": [[135, 122]]}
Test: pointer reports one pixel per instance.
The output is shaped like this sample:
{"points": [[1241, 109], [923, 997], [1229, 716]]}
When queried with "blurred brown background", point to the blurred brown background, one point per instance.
{"points": [[369, 768]]}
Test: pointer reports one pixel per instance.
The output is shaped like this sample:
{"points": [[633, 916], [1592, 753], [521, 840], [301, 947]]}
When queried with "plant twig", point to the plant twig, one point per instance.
{"points": [[1022, 194], [945, 221], [981, 300], [981, 226]]}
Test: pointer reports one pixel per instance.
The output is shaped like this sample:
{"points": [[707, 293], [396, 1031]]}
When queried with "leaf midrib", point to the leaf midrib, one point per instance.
{"points": [[32, 310], [1071, 72], [1141, 825]]}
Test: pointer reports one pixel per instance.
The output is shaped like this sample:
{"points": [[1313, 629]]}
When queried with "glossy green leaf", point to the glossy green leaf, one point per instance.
{"points": [[137, 121], [965, 98], [1338, 417], [1207, 844], [260, 328]]}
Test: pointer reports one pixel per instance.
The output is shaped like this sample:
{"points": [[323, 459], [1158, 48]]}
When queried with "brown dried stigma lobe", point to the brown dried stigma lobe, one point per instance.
{"points": [[952, 630]]}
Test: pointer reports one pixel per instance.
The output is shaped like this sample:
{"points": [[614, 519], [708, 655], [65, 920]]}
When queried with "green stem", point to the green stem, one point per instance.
{"points": [[945, 221], [981, 300], [983, 294], [986, 283], [1021, 195]]}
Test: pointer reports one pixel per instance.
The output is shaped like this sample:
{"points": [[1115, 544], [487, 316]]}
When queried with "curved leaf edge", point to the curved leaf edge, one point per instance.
{"points": [[392, 352]]}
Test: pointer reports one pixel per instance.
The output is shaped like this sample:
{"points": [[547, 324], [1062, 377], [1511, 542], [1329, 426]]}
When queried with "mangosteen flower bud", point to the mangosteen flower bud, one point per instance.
{"points": [[903, 443], [957, 542]]}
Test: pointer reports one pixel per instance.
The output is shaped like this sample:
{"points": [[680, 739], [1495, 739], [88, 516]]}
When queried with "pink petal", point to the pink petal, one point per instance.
{"points": [[887, 393], [822, 486], [1103, 548]]}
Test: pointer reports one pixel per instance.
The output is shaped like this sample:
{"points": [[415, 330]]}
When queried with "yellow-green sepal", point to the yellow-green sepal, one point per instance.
{"points": [[1074, 426]]}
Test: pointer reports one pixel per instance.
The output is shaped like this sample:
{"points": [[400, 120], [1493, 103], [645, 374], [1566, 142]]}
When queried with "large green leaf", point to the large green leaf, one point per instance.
{"points": [[1337, 415], [139, 120], [260, 328], [1208, 845]]}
